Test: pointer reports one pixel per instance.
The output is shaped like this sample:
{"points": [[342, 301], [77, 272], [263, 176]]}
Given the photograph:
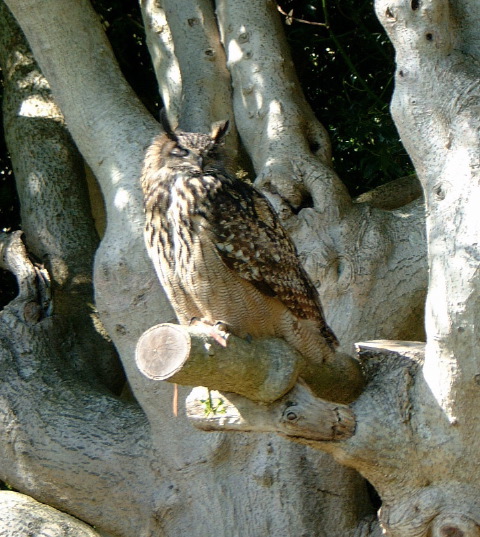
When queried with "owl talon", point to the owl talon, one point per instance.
{"points": [[221, 326], [221, 332]]}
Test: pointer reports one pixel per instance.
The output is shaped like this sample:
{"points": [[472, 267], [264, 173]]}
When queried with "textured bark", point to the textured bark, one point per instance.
{"points": [[444, 147], [55, 211], [21, 515], [130, 467], [67, 440], [417, 420], [262, 370], [172, 465], [435, 107]]}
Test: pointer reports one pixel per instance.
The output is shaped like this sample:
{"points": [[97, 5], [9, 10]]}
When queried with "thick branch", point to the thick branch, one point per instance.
{"points": [[49, 172], [162, 52], [205, 79], [435, 107], [56, 216], [198, 55], [111, 129], [274, 119], [395, 423], [262, 370]]}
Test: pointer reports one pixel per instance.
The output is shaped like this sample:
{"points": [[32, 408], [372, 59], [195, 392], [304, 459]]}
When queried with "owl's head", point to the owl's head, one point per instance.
{"points": [[192, 149]]}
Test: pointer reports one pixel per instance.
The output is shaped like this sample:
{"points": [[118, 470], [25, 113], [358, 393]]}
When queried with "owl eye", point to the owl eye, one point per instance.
{"points": [[178, 152]]}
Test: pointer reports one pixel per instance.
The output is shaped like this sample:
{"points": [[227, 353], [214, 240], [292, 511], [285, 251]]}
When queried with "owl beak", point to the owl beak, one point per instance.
{"points": [[200, 162]]}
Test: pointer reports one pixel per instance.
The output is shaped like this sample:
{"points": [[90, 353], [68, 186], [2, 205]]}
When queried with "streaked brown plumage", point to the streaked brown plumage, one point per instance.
{"points": [[219, 249]]}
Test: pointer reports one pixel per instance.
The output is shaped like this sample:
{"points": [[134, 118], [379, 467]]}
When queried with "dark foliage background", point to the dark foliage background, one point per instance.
{"points": [[9, 211], [346, 69], [344, 62]]}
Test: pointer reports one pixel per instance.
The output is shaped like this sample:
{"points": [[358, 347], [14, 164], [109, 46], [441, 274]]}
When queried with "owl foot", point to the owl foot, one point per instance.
{"points": [[218, 330], [221, 332]]}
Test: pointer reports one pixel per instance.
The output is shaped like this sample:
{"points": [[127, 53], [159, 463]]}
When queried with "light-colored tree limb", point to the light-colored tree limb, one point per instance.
{"points": [[262, 370], [289, 148], [435, 73], [189, 61], [162, 53], [205, 78], [112, 130], [21, 515], [391, 368], [49, 171]]}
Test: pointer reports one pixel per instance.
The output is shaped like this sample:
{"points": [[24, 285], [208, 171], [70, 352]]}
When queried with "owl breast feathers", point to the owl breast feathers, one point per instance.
{"points": [[219, 249]]}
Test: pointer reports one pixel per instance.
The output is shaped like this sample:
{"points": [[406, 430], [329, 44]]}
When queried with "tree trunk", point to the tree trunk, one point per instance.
{"points": [[131, 467], [170, 465], [416, 422]]}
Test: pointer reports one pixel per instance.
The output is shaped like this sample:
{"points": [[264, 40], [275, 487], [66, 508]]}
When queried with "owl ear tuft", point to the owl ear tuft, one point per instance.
{"points": [[219, 130], [166, 125]]}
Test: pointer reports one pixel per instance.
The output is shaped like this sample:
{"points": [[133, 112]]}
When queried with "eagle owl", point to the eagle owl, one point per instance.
{"points": [[219, 249]]}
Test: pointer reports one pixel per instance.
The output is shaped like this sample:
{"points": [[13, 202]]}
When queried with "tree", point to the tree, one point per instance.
{"points": [[125, 464]]}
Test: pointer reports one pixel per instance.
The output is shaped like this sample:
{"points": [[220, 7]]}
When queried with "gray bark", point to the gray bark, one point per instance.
{"points": [[131, 467], [50, 174], [156, 456], [21, 515], [416, 423]]}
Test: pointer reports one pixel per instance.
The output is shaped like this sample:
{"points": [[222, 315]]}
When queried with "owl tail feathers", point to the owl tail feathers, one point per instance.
{"points": [[339, 379], [331, 374]]}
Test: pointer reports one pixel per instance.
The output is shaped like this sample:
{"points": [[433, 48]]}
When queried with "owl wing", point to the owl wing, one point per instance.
{"points": [[252, 242]]}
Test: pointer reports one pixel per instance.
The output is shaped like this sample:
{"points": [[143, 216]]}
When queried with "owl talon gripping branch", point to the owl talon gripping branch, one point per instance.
{"points": [[219, 330]]}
